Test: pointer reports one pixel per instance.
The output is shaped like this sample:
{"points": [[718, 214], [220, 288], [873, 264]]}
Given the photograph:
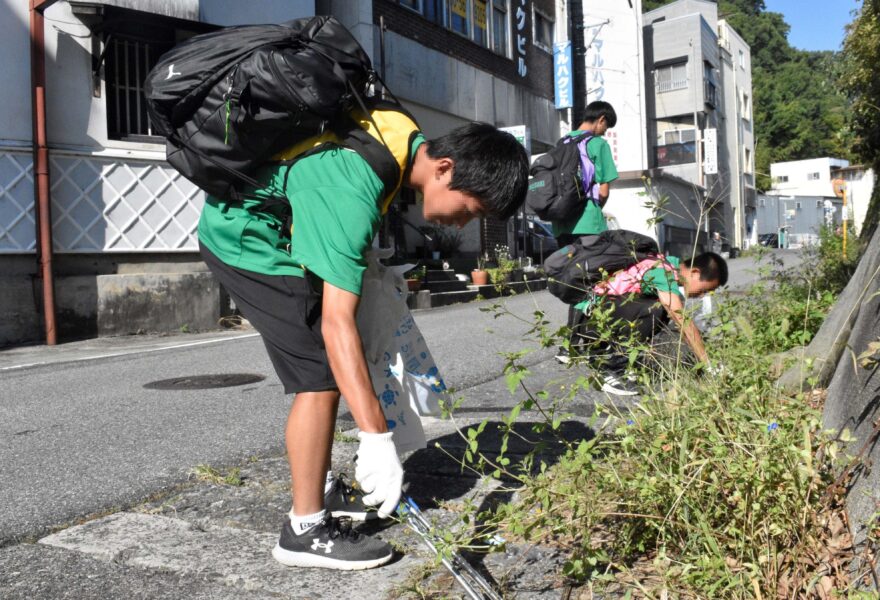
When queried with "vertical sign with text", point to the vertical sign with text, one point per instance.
{"points": [[562, 74], [710, 151], [521, 39]]}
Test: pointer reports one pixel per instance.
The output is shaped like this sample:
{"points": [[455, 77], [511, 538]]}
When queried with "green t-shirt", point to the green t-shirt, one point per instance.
{"points": [[591, 220], [659, 279], [334, 197]]}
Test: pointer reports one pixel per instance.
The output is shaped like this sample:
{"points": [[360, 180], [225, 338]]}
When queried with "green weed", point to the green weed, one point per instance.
{"points": [[212, 475], [710, 486]]}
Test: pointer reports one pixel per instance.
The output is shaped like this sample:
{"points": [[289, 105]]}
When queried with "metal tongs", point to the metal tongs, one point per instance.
{"points": [[469, 578]]}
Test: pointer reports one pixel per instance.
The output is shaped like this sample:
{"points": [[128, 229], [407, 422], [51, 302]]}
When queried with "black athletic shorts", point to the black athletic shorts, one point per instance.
{"points": [[286, 310]]}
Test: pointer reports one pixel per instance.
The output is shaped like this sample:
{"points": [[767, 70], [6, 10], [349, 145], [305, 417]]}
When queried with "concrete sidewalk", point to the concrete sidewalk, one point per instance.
{"points": [[35, 355]]}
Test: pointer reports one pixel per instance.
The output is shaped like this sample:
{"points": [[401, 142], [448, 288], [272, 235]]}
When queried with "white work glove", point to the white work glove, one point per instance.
{"points": [[378, 471]]}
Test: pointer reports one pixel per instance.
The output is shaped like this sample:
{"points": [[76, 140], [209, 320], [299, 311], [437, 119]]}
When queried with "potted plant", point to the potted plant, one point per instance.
{"points": [[480, 276], [414, 279]]}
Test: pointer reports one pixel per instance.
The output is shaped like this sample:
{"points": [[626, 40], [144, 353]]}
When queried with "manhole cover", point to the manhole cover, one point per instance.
{"points": [[204, 382]]}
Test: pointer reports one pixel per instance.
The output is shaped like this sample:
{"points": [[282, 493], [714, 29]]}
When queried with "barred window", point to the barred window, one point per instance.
{"points": [[128, 60]]}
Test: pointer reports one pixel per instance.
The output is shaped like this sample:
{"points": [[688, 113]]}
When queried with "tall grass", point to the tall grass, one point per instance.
{"points": [[709, 485]]}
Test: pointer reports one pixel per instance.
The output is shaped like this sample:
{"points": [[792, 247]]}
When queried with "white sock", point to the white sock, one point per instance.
{"points": [[302, 523], [328, 483]]}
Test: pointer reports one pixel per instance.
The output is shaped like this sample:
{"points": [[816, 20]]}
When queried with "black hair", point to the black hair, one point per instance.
{"points": [[597, 109], [490, 165], [712, 267]]}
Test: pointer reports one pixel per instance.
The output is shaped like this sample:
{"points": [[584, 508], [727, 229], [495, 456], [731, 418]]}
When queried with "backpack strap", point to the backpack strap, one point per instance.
{"points": [[588, 169], [377, 155]]}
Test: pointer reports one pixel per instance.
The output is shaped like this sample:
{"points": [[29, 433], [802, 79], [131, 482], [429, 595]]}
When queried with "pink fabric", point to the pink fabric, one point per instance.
{"points": [[629, 281]]}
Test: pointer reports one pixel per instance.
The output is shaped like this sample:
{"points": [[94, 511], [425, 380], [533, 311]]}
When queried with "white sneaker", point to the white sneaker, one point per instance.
{"points": [[618, 386]]}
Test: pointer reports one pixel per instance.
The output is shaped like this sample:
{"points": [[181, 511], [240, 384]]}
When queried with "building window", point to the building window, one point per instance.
{"points": [[709, 93], [742, 59], [501, 27], [679, 136], [459, 17], [746, 107], [485, 22], [781, 179], [415, 5], [747, 161], [128, 60], [434, 11], [813, 176], [543, 26], [481, 23], [671, 77]]}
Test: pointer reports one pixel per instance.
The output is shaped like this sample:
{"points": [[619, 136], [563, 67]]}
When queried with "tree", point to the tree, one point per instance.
{"points": [[861, 55]]}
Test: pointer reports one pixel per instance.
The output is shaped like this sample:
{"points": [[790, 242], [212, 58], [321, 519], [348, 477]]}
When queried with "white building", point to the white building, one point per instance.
{"points": [[123, 223], [815, 177], [810, 177]]}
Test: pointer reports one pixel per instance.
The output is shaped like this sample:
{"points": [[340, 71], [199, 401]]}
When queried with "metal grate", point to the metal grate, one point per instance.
{"points": [[17, 225], [122, 206], [128, 62]]}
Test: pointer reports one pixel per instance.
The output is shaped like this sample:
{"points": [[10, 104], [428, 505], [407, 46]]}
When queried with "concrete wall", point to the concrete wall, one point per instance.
{"points": [[235, 12], [739, 148], [100, 295], [180, 9], [15, 118], [859, 186], [709, 10]]}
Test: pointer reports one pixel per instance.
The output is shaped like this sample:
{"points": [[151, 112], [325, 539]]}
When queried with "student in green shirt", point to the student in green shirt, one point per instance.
{"points": [[300, 287], [643, 299], [598, 118]]}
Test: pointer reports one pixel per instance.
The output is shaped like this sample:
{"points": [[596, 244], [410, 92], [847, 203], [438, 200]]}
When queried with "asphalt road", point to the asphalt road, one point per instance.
{"points": [[80, 434], [77, 438]]}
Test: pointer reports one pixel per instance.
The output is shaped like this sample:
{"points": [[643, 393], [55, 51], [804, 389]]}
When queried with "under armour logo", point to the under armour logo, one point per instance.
{"points": [[317, 544], [171, 72]]}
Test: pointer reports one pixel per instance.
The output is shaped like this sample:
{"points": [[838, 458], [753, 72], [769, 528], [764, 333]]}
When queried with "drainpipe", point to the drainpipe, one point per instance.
{"points": [[42, 206]]}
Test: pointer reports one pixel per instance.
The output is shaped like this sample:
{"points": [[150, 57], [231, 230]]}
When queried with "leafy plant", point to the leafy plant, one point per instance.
{"points": [[418, 273], [711, 486]]}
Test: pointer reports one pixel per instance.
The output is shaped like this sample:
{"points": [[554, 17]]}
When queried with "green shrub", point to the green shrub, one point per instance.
{"points": [[711, 486]]}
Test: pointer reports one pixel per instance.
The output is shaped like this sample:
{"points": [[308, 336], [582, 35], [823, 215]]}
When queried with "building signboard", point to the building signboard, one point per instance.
{"points": [[614, 73], [562, 79], [710, 151], [522, 135]]}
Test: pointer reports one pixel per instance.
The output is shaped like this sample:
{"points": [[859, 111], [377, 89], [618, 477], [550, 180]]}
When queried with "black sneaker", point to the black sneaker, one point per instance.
{"points": [[622, 385], [344, 500], [332, 544]]}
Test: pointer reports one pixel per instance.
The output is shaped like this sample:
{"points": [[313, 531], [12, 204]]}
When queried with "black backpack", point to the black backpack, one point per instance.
{"points": [[229, 100], [557, 191], [573, 270]]}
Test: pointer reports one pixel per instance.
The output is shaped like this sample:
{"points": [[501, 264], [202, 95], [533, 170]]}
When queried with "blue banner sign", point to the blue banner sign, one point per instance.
{"points": [[562, 72]]}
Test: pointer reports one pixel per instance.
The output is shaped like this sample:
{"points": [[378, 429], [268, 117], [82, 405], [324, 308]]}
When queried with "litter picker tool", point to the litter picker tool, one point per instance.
{"points": [[469, 578]]}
